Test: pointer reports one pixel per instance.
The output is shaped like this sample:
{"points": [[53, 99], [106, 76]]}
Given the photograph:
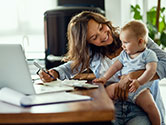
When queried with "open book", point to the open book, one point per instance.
{"points": [[11, 96]]}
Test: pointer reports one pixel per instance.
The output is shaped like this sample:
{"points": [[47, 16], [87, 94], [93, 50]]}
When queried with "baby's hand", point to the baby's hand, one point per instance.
{"points": [[102, 80], [134, 85]]}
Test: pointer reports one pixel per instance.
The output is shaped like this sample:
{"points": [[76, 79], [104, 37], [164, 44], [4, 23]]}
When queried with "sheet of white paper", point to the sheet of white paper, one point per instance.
{"points": [[49, 98], [62, 85], [54, 86], [79, 83], [10, 96]]}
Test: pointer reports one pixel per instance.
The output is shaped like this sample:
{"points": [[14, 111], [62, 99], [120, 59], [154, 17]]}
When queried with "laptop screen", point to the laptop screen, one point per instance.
{"points": [[14, 71]]}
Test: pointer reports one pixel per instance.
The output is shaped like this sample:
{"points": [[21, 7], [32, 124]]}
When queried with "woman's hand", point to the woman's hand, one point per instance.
{"points": [[124, 82], [47, 78], [122, 88], [102, 80]]}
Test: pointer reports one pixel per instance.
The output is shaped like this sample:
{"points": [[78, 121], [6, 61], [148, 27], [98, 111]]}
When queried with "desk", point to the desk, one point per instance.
{"points": [[100, 109]]}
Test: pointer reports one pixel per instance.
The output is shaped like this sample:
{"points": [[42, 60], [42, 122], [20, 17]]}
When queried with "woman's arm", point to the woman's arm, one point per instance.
{"points": [[161, 55], [65, 71], [62, 72]]}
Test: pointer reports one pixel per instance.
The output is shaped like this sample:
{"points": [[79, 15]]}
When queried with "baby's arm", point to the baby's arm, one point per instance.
{"points": [[116, 66], [145, 77]]}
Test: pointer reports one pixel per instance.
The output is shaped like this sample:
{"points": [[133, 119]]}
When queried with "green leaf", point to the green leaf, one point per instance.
{"points": [[163, 39], [162, 9], [151, 17], [136, 10], [161, 26], [138, 7]]}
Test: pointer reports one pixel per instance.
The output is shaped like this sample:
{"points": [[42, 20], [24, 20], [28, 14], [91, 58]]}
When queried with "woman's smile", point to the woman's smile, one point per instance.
{"points": [[98, 34]]}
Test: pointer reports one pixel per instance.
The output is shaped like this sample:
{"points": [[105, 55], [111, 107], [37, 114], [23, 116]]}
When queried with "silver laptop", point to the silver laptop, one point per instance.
{"points": [[15, 74], [14, 70]]}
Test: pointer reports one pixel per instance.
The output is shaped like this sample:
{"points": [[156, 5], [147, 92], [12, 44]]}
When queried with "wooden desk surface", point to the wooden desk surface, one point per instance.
{"points": [[101, 108]]}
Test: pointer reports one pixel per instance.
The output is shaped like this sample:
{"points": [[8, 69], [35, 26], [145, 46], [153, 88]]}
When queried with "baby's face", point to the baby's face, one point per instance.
{"points": [[130, 43]]}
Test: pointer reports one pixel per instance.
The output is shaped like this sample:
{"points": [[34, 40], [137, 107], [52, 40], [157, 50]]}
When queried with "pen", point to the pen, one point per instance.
{"points": [[41, 68]]}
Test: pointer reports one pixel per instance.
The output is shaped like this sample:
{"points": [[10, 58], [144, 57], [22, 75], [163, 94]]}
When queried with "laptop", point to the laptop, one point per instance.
{"points": [[14, 70], [15, 74]]}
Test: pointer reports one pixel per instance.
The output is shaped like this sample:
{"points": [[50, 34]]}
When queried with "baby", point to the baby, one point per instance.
{"points": [[135, 56]]}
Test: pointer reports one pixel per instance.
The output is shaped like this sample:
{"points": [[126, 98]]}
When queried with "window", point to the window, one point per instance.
{"points": [[22, 21]]}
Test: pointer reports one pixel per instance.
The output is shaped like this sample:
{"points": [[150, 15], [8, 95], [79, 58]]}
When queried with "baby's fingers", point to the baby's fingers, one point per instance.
{"points": [[132, 89]]}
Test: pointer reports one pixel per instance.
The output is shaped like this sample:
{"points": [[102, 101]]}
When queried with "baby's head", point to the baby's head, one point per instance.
{"points": [[136, 29], [134, 32]]}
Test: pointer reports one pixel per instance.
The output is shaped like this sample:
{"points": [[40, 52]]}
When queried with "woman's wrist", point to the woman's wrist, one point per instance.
{"points": [[56, 73]]}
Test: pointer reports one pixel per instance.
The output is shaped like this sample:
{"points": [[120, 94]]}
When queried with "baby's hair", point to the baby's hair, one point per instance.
{"points": [[138, 28]]}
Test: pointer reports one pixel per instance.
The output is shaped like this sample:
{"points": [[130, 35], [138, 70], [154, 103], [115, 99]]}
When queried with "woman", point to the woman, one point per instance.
{"points": [[93, 42]]}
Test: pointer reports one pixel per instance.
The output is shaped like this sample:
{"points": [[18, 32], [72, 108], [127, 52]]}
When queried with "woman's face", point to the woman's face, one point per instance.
{"points": [[98, 34]]}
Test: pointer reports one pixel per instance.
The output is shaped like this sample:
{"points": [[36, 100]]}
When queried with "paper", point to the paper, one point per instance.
{"points": [[72, 83], [13, 97], [52, 98], [62, 85], [79, 83], [10, 96], [54, 86]]}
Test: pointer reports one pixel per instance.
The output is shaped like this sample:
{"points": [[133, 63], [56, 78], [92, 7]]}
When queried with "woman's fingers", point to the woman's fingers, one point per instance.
{"points": [[116, 92], [45, 77], [120, 93], [126, 94]]}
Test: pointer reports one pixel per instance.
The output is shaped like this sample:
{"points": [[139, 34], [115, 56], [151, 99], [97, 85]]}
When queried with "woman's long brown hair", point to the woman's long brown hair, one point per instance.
{"points": [[78, 47]]}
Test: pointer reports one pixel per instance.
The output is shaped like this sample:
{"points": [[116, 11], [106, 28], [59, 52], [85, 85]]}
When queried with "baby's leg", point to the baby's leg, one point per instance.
{"points": [[110, 90], [146, 102]]}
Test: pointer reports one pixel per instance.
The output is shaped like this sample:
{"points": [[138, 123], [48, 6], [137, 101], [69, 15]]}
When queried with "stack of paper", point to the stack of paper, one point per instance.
{"points": [[13, 97], [75, 83], [10, 96], [54, 86], [47, 93]]}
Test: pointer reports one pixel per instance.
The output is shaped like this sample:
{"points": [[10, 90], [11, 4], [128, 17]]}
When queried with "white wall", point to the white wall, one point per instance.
{"points": [[118, 11]]}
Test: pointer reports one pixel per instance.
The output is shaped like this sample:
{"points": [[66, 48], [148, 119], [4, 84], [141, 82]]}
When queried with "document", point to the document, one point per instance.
{"points": [[72, 83], [79, 84], [52, 98], [62, 85], [10, 96], [54, 86], [13, 97]]}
